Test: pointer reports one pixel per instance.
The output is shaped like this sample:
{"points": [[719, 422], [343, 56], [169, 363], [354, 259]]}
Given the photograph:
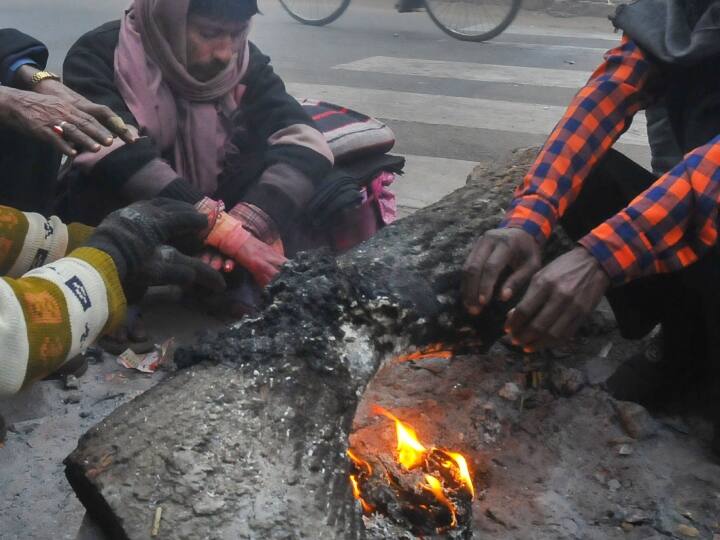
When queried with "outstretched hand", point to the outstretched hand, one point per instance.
{"points": [[559, 298], [61, 117], [494, 253]]}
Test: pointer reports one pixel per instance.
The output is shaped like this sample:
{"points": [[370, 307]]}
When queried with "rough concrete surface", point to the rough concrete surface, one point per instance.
{"points": [[46, 421]]}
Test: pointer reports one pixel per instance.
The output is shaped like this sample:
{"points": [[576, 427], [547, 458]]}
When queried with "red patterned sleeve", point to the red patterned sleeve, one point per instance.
{"points": [[598, 115], [668, 226]]}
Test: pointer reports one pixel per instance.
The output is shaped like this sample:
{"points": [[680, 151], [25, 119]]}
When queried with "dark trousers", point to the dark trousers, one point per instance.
{"points": [[686, 303], [29, 173]]}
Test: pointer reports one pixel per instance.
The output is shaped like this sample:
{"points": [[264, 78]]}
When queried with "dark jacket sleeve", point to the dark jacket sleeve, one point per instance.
{"points": [[89, 69], [296, 155], [14, 46]]}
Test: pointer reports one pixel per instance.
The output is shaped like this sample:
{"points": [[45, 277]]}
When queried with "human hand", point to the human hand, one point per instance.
{"points": [[493, 253], [131, 234], [101, 118], [262, 261], [217, 261], [560, 296], [231, 238], [167, 266]]}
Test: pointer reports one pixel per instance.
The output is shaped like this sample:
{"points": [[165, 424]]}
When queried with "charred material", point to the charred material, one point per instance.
{"points": [[250, 440], [427, 501]]}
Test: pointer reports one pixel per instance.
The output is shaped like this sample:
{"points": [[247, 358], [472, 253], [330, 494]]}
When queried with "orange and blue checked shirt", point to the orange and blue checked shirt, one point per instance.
{"points": [[667, 227]]}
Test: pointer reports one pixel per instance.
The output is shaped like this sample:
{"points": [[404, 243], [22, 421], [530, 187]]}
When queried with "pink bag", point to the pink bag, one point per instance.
{"points": [[378, 209]]}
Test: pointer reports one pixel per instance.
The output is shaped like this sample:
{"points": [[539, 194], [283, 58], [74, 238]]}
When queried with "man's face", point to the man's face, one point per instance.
{"points": [[211, 44]]}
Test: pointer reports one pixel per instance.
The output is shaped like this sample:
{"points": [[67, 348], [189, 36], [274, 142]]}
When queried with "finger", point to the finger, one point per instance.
{"points": [[58, 142], [179, 224], [517, 280], [229, 266], [472, 273], [205, 257], [120, 128], [276, 259], [561, 330], [531, 303], [111, 121], [77, 137], [201, 273], [494, 265], [264, 273], [536, 332], [94, 129], [205, 275], [216, 262], [175, 274]]}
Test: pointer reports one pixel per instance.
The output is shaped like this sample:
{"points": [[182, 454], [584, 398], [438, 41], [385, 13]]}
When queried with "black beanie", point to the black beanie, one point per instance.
{"points": [[224, 9]]}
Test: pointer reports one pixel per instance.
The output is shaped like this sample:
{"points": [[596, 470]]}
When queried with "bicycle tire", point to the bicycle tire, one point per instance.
{"points": [[432, 7], [321, 20]]}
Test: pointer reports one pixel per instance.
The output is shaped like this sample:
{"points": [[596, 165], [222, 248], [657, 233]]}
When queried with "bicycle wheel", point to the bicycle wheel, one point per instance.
{"points": [[315, 12], [473, 20]]}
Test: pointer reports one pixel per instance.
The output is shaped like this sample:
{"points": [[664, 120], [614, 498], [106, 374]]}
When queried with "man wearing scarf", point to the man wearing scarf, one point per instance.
{"points": [[217, 127], [648, 243]]}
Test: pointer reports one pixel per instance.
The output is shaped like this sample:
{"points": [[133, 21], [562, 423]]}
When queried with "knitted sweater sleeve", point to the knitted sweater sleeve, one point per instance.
{"points": [[52, 305]]}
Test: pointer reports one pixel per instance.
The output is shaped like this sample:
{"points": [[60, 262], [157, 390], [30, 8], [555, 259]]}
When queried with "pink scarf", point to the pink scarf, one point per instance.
{"points": [[189, 117]]}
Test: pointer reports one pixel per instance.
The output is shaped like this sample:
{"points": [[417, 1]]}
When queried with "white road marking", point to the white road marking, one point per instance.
{"points": [[473, 113], [559, 48], [546, 31], [469, 71]]}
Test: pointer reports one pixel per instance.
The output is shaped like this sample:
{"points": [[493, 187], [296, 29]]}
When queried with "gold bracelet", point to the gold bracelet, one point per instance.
{"points": [[42, 76]]}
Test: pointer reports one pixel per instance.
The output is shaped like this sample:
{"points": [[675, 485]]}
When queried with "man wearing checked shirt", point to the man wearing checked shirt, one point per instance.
{"points": [[648, 242]]}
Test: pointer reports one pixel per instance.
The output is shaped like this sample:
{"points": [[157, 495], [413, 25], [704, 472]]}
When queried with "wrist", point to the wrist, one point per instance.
{"points": [[211, 209], [592, 261], [24, 75]]}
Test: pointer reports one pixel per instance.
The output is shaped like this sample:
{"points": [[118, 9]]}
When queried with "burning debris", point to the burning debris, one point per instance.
{"points": [[427, 491]]}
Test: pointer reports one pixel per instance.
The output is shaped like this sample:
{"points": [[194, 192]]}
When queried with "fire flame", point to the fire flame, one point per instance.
{"points": [[360, 463], [412, 454], [436, 350], [410, 450], [463, 470], [435, 487], [367, 507]]}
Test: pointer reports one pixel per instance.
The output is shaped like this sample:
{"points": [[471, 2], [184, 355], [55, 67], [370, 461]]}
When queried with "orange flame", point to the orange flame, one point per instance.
{"points": [[436, 350], [360, 463], [367, 508], [463, 471], [412, 454], [435, 487], [410, 450]]}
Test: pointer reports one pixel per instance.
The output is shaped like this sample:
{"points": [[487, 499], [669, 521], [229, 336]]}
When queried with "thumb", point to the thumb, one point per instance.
{"points": [[203, 274], [516, 281]]}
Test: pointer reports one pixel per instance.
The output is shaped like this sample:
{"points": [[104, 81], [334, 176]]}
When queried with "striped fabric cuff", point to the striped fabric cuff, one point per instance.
{"points": [[532, 214], [622, 250], [105, 266], [78, 235]]}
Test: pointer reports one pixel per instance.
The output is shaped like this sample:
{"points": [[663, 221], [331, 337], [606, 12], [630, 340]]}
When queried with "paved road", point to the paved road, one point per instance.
{"points": [[451, 104]]}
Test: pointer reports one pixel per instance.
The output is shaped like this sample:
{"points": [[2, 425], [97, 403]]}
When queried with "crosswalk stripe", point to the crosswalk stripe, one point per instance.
{"points": [[429, 179], [546, 48], [453, 111], [546, 31], [469, 71]]}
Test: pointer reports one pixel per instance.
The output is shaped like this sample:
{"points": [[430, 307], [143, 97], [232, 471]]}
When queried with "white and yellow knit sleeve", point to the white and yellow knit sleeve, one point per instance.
{"points": [[55, 312]]}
